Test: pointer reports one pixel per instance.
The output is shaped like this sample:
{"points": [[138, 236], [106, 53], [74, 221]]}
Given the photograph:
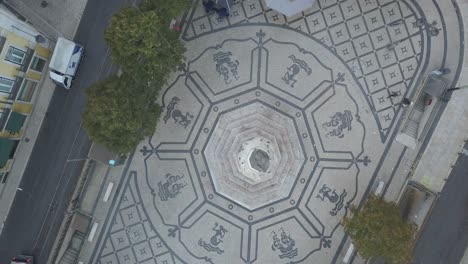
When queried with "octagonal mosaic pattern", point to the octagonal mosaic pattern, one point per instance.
{"points": [[237, 136], [272, 129]]}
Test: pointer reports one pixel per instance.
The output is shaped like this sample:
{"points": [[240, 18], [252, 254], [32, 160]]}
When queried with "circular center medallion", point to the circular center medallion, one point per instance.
{"points": [[255, 157], [259, 160]]}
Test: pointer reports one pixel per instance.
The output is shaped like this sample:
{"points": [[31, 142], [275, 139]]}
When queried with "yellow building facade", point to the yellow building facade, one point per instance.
{"points": [[24, 56]]}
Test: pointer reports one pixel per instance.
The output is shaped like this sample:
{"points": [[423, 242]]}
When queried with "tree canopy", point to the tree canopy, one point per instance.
{"points": [[379, 231], [142, 43], [121, 111], [119, 114], [167, 9]]}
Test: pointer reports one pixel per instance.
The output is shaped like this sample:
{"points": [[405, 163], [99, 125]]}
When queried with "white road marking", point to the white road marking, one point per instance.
{"points": [[102, 65], [349, 253], [93, 231], [108, 191]]}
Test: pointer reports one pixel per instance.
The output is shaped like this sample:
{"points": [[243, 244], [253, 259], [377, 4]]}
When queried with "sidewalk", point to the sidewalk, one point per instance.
{"points": [[25, 147], [94, 201], [441, 151], [59, 18], [464, 260], [433, 164]]}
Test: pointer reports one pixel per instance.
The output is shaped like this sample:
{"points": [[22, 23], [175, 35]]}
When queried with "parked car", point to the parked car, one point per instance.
{"points": [[21, 259], [64, 62]]}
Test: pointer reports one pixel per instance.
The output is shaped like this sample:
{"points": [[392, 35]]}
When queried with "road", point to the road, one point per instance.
{"points": [[62, 145], [444, 238]]}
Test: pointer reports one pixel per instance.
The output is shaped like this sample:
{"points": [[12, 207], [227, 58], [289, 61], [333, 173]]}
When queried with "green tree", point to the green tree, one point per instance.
{"points": [[167, 10], [142, 43], [379, 231], [120, 113]]}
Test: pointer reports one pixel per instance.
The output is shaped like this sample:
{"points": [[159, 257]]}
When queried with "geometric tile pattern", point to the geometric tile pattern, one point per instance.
{"points": [[379, 40], [319, 93], [132, 238], [296, 96]]}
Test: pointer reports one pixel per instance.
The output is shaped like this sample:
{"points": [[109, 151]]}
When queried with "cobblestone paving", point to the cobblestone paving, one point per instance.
{"points": [[273, 128]]}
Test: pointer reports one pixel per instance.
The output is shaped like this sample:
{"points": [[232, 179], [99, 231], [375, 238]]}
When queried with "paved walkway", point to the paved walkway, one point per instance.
{"points": [[272, 130], [58, 18]]}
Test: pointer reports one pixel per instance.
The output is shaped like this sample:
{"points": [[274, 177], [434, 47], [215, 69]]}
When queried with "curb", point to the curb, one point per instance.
{"points": [[58, 246], [13, 183]]}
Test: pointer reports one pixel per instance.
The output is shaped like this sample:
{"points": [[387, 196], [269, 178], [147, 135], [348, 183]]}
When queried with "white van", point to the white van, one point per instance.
{"points": [[64, 62]]}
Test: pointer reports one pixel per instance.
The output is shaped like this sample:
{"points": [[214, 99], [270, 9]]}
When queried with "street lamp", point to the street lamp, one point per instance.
{"points": [[39, 38], [457, 88]]}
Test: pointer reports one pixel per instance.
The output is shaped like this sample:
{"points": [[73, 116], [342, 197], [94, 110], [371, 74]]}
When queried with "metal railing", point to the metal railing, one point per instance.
{"points": [[73, 209], [409, 112]]}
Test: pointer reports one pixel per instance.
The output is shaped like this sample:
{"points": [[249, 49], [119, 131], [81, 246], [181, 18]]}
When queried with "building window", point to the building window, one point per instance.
{"points": [[37, 64], [26, 91], [6, 85], [15, 55]]}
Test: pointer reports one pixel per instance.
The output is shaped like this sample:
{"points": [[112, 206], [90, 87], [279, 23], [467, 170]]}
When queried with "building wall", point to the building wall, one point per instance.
{"points": [[20, 37]]}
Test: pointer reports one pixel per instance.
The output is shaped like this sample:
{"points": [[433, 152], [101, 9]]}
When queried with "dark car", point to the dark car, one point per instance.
{"points": [[21, 259]]}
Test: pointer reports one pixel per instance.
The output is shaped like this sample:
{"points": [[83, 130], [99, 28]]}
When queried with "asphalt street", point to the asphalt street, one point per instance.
{"points": [[62, 145], [444, 237]]}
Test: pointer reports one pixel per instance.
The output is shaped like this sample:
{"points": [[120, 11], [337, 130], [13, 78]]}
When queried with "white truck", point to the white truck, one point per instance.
{"points": [[64, 62]]}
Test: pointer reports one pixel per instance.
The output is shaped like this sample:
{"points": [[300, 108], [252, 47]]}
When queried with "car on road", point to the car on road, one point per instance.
{"points": [[64, 62], [21, 259]]}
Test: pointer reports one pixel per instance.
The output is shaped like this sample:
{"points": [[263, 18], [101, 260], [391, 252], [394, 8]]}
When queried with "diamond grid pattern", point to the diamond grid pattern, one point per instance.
{"points": [[131, 238], [377, 39]]}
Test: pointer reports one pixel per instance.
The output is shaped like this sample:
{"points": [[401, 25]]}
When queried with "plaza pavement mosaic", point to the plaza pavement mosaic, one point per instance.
{"points": [[272, 129]]}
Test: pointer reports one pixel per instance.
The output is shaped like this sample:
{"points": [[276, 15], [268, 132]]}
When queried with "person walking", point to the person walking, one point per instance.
{"points": [[222, 12], [392, 94], [209, 6], [406, 101]]}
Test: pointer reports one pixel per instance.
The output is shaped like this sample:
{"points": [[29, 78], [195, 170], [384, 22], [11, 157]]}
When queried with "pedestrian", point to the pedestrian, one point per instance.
{"points": [[392, 94], [209, 6], [406, 101], [222, 12], [395, 23]]}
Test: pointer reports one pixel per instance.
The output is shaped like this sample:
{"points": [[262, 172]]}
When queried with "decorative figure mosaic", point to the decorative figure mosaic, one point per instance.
{"points": [[333, 197], [285, 244], [226, 66], [215, 240], [176, 114], [171, 187], [293, 70], [338, 123]]}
